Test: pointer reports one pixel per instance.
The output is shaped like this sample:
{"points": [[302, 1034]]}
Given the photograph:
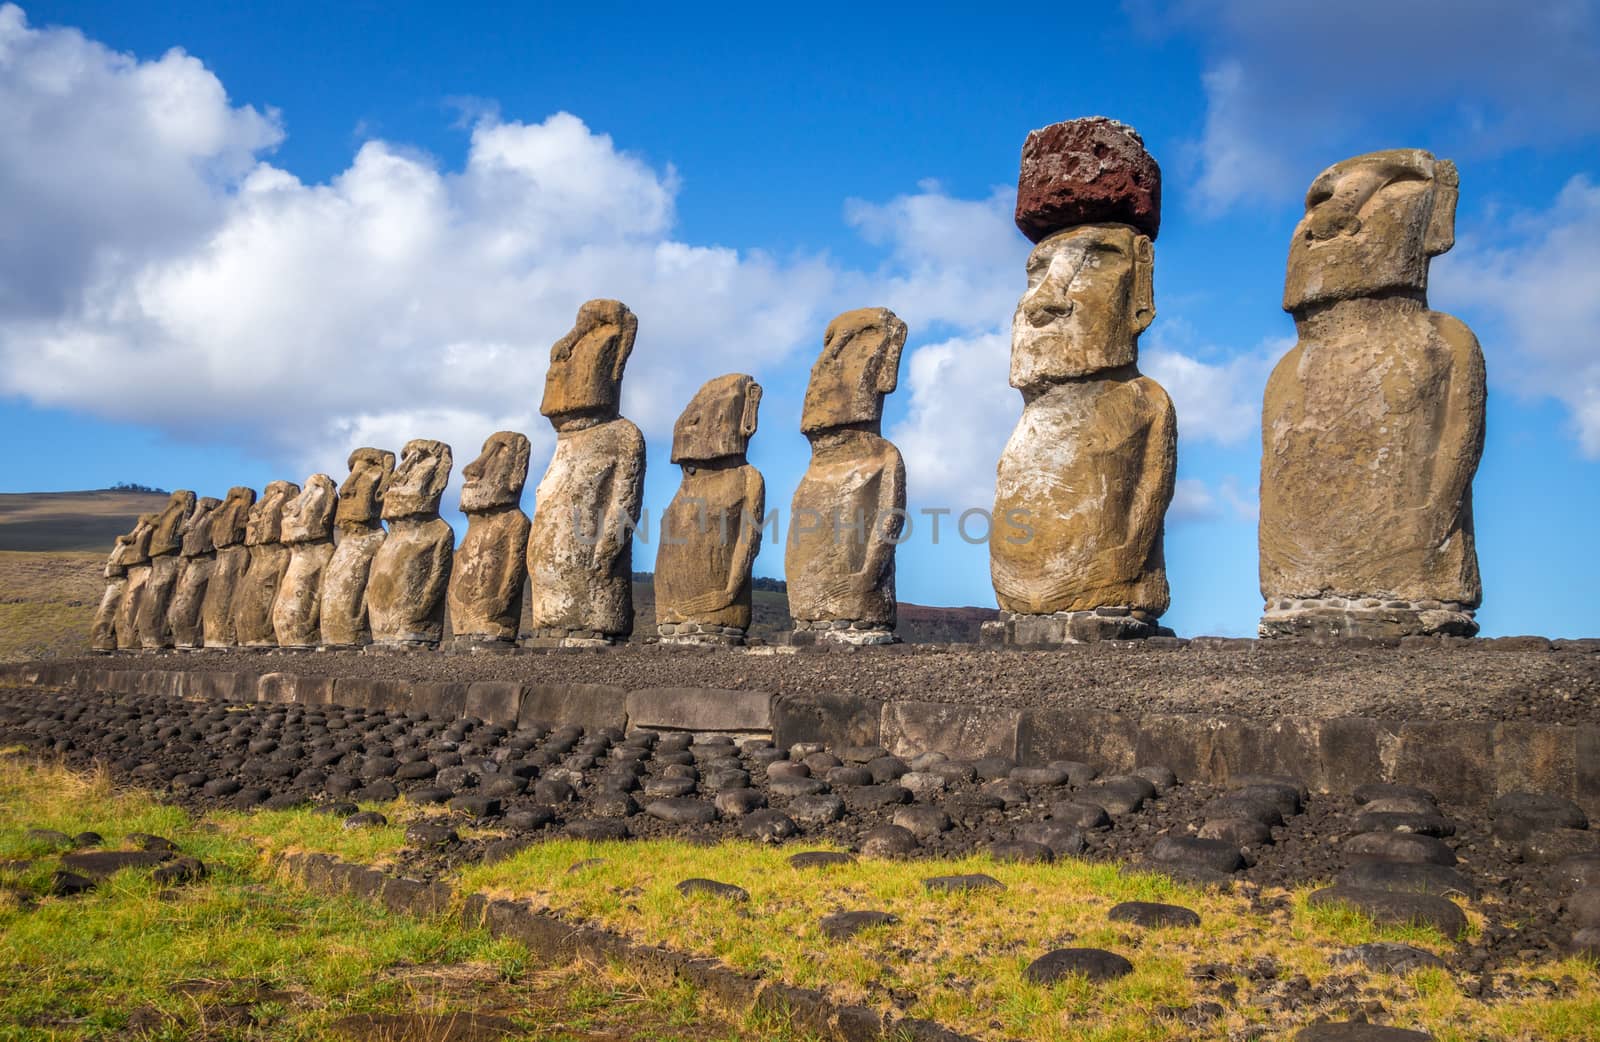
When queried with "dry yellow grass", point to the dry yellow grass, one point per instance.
{"points": [[47, 603]]}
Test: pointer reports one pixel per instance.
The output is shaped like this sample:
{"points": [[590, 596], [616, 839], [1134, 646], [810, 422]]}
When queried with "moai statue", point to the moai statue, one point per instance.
{"points": [[155, 632], [580, 549], [269, 558], [227, 571], [344, 584], [1082, 488], [491, 565], [711, 532], [197, 559], [847, 515], [308, 533], [411, 570], [1373, 424], [136, 561], [103, 632]]}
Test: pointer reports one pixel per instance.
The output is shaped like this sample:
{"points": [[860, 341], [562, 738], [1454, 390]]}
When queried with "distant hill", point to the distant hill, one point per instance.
{"points": [[88, 521]]}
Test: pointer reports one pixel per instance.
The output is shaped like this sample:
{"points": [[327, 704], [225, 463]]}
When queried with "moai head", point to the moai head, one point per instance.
{"points": [[228, 526], [265, 523], [496, 477], [860, 363], [418, 481], [139, 539], [1089, 297], [168, 534], [718, 421], [585, 376], [361, 495], [197, 530], [1371, 224], [308, 517], [117, 562]]}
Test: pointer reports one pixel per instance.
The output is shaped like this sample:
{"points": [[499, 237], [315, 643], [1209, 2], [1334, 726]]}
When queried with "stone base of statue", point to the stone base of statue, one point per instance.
{"points": [[708, 633], [479, 644], [401, 645], [859, 632], [1071, 627], [357, 646], [1333, 617], [560, 638]]}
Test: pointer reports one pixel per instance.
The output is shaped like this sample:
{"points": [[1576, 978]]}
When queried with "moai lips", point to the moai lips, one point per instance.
{"points": [[198, 558], [491, 568], [1373, 424], [308, 533], [711, 532], [849, 508], [343, 612], [580, 547], [227, 572], [411, 570], [269, 559], [166, 539]]}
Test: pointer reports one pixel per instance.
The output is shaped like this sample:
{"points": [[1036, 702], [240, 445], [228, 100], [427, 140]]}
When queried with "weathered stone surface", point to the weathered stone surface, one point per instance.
{"points": [[136, 565], [491, 565], [1152, 914], [409, 575], [343, 612], [103, 630], [269, 559], [1373, 425], [849, 509], [1093, 963], [1358, 1031], [711, 531], [580, 548], [699, 709], [1087, 171], [196, 559], [842, 926], [228, 570], [1084, 482], [1387, 906], [308, 533], [1388, 957], [166, 540]]}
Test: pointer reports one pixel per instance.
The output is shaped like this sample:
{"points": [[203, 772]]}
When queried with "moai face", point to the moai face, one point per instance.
{"points": [[168, 533], [197, 530], [1089, 297], [228, 526], [585, 376], [265, 524], [139, 539], [496, 477], [860, 363], [308, 517], [418, 481], [718, 421], [1371, 224], [361, 495]]}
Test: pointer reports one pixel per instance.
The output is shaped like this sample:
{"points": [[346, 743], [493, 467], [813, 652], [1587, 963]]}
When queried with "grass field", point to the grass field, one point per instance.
{"points": [[88, 521]]}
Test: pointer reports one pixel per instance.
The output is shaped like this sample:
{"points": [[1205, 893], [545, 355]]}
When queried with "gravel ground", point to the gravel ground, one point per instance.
{"points": [[1507, 679]]}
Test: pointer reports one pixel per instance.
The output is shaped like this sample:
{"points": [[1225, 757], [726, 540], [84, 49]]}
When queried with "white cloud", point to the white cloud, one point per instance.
{"points": [[1192, 500], [962, 410], [1217, 400]]}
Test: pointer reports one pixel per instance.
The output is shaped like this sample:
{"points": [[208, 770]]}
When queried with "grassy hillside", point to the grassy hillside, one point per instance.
{"points": [[47, 602], [88, 521]]}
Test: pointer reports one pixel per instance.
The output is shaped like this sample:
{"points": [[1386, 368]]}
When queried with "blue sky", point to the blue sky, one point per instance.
{"points": [[309, 228]]}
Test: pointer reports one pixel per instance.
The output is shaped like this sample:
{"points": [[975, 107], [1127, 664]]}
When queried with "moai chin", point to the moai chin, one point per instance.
{"points": [[227, 571], [166, 540], [136, 563], [580, 548], [263, 577], [491, 565], [711, 532], [197, 558], [411, 570], [849, 509], [103, 631], [343, 612], [1082, 488], [308, 533], [1372, 425]]}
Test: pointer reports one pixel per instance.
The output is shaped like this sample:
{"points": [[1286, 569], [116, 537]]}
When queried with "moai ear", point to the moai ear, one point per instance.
{"points": [[752, 405], [441, 473], [894, 332], [1144, 294], [1441, 234], [520, 450]]}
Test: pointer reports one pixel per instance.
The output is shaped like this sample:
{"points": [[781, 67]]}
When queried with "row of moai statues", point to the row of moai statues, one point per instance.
{"points": [[314, 567], [1371, 433]]}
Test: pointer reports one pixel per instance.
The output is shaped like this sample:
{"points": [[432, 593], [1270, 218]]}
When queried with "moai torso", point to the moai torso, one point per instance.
{"points": [[165, 543], [343, 612], [136, 561], [849, 509], [711, 531], [580, 546], [1373, 424], [491, 565], [197, 558], [103, 631], [269, 559], [308, 533], [228, 570], [411, 571]]}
